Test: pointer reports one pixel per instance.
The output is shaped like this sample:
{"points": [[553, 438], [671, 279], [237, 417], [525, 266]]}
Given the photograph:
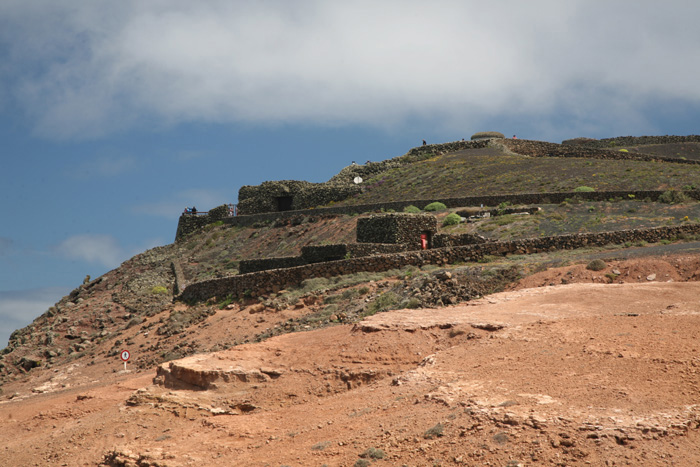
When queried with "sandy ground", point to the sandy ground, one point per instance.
{"points": [[566, 369]]}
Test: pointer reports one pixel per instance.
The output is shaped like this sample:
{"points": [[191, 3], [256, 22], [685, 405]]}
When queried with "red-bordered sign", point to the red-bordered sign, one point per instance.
{"points": [[125, 355]]}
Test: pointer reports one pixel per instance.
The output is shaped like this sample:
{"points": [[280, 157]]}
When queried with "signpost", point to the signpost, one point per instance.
{"points": [[125, 357]]}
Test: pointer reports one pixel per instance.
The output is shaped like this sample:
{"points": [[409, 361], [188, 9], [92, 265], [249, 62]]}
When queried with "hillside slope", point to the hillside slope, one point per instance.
{"points": [[570, 366], [493, 171], [576, 374]]}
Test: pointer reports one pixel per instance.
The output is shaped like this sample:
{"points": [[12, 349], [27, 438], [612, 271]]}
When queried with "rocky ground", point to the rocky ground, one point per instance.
{"points": [[569, 367]]}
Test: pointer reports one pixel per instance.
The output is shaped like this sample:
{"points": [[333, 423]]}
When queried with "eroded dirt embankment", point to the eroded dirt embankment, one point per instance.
{"points": [[573, 374]]}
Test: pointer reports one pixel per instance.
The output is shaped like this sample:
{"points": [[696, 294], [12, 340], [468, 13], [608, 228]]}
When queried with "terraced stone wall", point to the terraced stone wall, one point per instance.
{"points": [[622, 141], [544, 149], [260, 283], [189, 224], [265, 198], [247, 266], [448, 240], [318, 254]]}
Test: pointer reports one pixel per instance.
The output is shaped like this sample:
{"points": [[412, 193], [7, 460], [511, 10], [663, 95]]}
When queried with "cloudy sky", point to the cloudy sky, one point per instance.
{"points": [[114, 116]]}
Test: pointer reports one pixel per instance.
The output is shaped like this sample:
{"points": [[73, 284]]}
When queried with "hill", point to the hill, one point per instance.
{"points": [[522, 359]]}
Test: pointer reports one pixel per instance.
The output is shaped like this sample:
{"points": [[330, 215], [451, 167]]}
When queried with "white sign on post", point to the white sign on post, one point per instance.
{"points": [[125, 357]]}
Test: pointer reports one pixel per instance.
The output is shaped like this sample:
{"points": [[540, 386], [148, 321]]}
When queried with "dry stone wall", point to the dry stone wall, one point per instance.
{"points": [[448, 240], [259, 283], [304, 195], [261, 203], [318, 254], [247, 266], [189, 223], [395, 228], [544, 149], [622, 141]]}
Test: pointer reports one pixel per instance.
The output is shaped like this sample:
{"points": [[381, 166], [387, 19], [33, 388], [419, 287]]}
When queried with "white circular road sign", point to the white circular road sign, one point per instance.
{"points": [[125, 355]]}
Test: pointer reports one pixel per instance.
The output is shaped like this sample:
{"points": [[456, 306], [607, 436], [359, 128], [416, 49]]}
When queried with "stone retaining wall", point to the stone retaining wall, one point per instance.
{"points": [[247, 266], [544, 149], [305, 195], [448, 240], [622, 141], [180, 281], [259, 283], [318, 254], [189, 224]]}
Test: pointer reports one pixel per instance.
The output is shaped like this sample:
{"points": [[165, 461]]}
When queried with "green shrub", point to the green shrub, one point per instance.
{"points": [[434, 432], [611, 276], [412, 303], [226, 302], [412, 209], [673, 197], [583, 189], [596, 265], [501, 208], [384, 302], [159, 290], [452, 219], [372, 453], [624, 150], [436, 206]]}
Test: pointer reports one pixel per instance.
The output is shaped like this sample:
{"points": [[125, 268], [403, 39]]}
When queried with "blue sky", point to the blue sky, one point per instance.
{"points": [[114, 116]]}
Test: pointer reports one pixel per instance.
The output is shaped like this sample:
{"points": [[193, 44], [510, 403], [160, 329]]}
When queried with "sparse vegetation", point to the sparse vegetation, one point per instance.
{"points": [[434, 432], [452, 219], [384, 302], [372, 453], [596, 265], [435, 206], [673, 197], [226, 302], [583, 189]]}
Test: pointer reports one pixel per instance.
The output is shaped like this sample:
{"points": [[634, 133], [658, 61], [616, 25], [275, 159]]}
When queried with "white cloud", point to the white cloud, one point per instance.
{"points": [[19, 308], [97, 67], [93, 248]]}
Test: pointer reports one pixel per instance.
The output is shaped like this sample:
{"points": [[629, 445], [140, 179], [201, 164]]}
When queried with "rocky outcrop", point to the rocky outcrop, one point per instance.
{"points": [[192, 373]]}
